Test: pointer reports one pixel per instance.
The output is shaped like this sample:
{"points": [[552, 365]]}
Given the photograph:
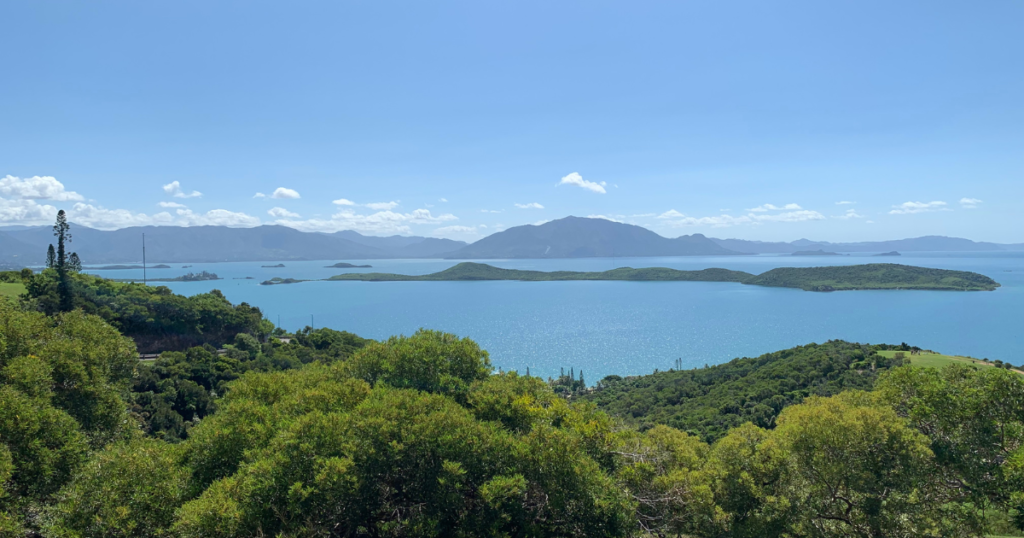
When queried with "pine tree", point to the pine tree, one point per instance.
{"points": [[583, 384], [51, 258], [74, 263], [62, 230]]}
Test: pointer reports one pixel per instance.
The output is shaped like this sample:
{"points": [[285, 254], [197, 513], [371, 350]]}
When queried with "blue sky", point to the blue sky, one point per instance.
{"points": [[732, 119]]}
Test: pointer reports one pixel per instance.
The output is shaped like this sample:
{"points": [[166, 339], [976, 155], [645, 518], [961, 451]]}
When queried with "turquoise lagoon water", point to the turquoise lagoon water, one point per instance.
{"points": [[629, 328]]}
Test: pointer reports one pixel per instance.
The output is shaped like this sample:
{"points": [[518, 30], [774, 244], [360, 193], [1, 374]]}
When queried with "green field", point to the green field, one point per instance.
{"points": [[936, 360], [11, 290]]}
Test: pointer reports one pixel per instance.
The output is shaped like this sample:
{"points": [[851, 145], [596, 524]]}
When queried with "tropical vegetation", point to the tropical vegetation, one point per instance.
{"points": [[852, 277]]}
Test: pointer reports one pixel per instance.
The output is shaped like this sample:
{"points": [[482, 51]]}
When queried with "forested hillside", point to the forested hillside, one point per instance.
{"points": [[708, 402], [332, 435], [156, 319]]}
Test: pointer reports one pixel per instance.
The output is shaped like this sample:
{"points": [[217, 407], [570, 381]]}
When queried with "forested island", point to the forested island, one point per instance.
{"points": [[344, 265], [852, 277], [189, 277], [278, 280]]}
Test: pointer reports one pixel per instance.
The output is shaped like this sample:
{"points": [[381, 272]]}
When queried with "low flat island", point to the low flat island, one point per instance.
{"points": [[873, 276]]}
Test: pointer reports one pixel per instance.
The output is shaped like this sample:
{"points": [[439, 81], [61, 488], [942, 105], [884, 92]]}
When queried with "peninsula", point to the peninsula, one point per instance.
{"points": [[818, 252], [875, 276]]}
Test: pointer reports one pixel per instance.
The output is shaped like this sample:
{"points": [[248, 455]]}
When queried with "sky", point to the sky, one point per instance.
{"points": [[836, 121]]}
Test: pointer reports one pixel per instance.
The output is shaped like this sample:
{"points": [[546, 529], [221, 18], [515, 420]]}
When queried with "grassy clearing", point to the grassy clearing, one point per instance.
{"points": [[11, 290], [929, 359]]}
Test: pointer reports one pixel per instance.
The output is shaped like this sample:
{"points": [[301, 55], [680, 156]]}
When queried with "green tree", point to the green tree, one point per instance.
{"points": [[751, 475], [51, 258], [62, 230], [859, 470], [430, 361], [127, 490], [974, 419], [74, 263], [62, 382]]}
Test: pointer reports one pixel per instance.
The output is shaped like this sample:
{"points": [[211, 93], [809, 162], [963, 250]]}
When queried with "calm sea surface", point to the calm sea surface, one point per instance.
{"points": [[631, 328]]}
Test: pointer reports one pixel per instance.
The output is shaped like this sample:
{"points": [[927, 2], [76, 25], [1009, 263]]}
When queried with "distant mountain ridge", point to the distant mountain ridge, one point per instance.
{"points": [[576, 237], [570, 237], [199, 244], [928, 243]]}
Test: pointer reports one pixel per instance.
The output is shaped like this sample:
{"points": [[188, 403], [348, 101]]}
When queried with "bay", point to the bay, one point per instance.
{"points": [[631, 328]]}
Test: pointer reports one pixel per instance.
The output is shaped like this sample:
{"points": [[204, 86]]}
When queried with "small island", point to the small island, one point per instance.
{"points": [[893, 253], [343, 265], [818, 252], [278, 280], [877, 276], [190, 277], [278, 266]]}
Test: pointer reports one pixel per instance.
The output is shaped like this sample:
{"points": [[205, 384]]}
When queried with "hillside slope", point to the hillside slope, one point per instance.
{"points": [[709, 401]]}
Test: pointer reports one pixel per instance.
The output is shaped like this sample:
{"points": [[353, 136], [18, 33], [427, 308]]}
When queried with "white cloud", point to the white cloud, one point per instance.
{"points": [[531, 205], [605, 217], [492, 210], [969, 203], [791, 216], [217, 217], [259, 195], [381, 222], [285, 194], [382, 206], [26, 212], [442, 200], [644, 215], [111, 219], [908, 208], [343, 201], [171, 205], [455, 231], [850, 214], [282, 213], [770, 207], [576, 179], [174, 189], [676, 219], [845, 202], [37, 188]]}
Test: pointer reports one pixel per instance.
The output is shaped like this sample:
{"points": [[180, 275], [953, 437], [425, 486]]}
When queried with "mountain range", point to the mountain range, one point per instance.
{"points": [[928, 243], [27, 246], [570, 237]]}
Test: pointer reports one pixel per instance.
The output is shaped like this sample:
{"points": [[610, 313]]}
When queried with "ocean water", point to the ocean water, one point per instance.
{"points": [[629, 328]]}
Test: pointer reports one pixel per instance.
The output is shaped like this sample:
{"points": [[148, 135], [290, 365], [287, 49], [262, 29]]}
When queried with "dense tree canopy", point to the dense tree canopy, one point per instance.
{"points": [[154, 317], [709, 401], [332, 435]]}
